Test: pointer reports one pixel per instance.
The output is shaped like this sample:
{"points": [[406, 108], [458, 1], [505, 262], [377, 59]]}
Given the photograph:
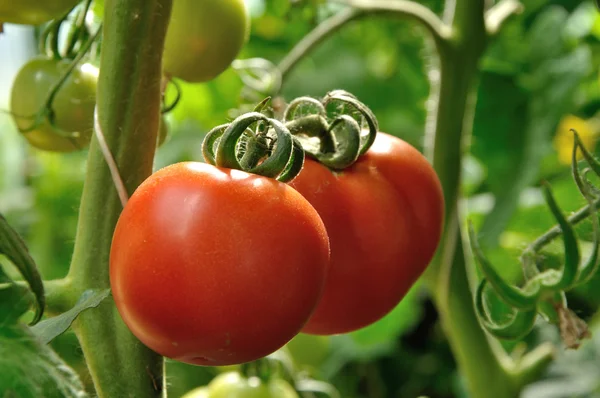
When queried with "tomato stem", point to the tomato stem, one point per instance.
{"points": [[499, 14], [460, 40], [483, 364], [128, 101], [76, 32], [54, 37], [360, 9], [313, 126]]}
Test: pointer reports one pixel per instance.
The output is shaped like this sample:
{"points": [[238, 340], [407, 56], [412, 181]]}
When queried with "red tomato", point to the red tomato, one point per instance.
{"points": [[384, 218], [214, 266]]}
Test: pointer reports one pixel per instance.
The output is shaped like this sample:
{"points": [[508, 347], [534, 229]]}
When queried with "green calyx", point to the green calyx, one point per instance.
{"points": [[335, 131], [544, 291], [269, 150]]}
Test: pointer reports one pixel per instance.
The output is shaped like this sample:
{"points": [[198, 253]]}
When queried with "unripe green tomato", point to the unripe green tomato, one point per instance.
{"points": [[73, 105], [34, 12], [200, 392], [234, 385], [204, 37]]}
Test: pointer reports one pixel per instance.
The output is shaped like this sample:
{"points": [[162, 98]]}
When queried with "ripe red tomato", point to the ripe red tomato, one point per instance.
{"points": [[204, 37], [214, 266], [384, 218], [34, 12], [73, 105]]}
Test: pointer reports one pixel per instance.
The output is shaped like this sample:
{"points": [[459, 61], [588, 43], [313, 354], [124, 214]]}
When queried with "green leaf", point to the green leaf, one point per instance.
{"points": [[553, 87], [500, 119], [546, 35], [13, 247], [404, 316], [15, 300], [30, 369], [48, 329]]}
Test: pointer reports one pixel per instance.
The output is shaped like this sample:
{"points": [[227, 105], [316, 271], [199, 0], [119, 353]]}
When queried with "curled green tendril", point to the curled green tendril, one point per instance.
{"points": [[516, 328], [282, 160], [166, 108], [544, 292], [589, 268], [345, 133], [593, 162], [208, 145], [518, 298], [309, 104], [294, 166], [566, 278], [366, 114], [336, 144]]}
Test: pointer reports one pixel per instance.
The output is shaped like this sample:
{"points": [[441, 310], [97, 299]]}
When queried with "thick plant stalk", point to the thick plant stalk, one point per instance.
{"points": [[448, 129], [460, 41], [129, 109]]}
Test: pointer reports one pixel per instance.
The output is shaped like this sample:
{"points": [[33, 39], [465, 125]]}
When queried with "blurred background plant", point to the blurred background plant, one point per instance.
{"points": [[540, 79]]}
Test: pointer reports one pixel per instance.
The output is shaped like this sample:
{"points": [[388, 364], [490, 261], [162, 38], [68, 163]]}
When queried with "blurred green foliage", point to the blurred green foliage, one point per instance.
{"points": [[543, 66]]}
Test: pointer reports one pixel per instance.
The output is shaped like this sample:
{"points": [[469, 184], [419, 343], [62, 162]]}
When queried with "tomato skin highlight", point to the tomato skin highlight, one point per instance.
{"points": [[213, 266], [73, 105], [204, 37], [384, 217]]}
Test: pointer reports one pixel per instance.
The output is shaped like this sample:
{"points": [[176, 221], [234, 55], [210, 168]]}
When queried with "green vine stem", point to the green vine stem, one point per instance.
{"points": [[360, 9], [449, 124], [483, 365], [496, 16], [460, 40], [555, 231], [128, 102]]}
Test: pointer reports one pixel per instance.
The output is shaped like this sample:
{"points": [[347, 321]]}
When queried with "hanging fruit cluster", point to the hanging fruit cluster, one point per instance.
{"points": [[315, 223]]}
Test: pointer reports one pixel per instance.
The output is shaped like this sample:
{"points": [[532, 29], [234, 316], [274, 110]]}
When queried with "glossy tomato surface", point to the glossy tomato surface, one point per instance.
{"points": [[204, 37], [234, 385], [384, 218], [214, 266], [73, 105], [34, 12]]}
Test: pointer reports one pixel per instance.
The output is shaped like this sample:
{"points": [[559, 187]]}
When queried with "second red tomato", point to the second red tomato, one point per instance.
{"points": [[384, 218]]}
